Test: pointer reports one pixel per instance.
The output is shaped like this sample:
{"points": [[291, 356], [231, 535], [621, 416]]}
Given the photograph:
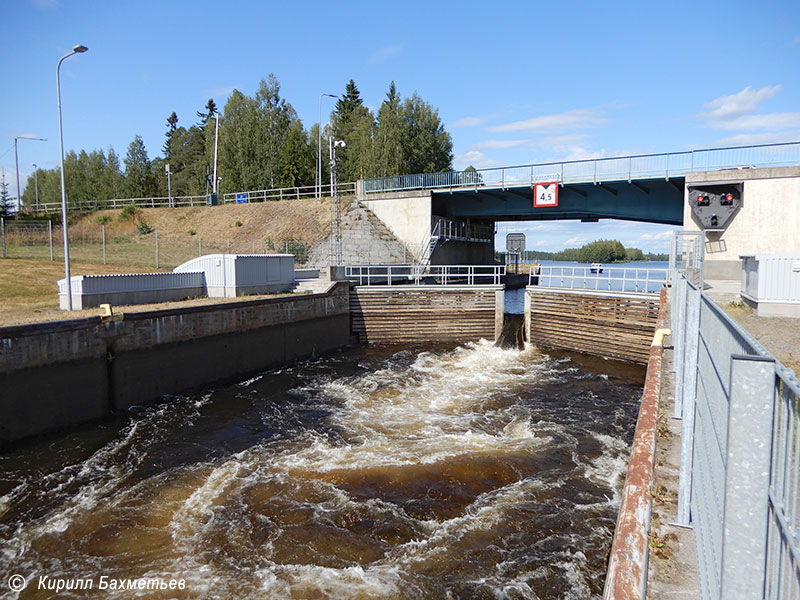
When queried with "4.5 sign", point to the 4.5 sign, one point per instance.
{"points": [[545, 194]]}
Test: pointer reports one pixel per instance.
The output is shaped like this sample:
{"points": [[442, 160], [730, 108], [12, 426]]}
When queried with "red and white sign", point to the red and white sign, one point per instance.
{"points": [[545, 194]]}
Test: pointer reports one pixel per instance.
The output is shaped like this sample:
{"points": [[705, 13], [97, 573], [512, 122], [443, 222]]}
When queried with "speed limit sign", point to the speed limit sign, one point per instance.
{"points": [[545, 194]]}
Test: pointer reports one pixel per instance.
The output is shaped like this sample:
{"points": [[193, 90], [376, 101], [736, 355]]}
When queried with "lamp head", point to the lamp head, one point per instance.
{"points": [[79, 48]]}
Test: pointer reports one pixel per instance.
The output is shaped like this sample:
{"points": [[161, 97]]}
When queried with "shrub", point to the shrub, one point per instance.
{"points": [[238, 223], [102, 219], [143, 228], [181, 218], [128, 212], [192, 232]]}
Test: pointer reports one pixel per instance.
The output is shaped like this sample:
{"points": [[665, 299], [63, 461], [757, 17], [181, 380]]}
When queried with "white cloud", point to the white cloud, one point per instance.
{"points": [[580, 118], [476, 159], [385, 53], [740, 103], [497, 144], [467, 122], [754, 139], [225, 90], [649, 237], [575, 241], [773, 121]]}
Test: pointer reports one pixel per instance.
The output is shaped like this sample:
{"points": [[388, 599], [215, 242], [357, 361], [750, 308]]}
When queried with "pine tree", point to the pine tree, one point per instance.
{"points": [[389, 134], [6, 201], [205, 117], [172, 125], [139, 181]]}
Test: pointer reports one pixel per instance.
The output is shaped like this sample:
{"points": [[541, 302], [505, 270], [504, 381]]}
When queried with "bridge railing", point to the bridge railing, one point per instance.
{"points": [[740, 453], [611, 279], [473, 275], [644, 166]]}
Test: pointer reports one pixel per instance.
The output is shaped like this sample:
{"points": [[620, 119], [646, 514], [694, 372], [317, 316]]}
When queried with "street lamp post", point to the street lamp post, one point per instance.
{"points": [[337, 234], [75, 50], [319, 147], [36, 185], [16, 162]]}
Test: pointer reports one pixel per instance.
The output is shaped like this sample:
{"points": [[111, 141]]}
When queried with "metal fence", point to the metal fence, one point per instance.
{"points": [[740, 452], [289, 193], [91, 243], [617, 279], [648, 166], [426, 275]]}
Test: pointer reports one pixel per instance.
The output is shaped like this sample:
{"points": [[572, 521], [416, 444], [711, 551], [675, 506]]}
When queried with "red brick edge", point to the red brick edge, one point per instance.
{"points": [[627, 567]]}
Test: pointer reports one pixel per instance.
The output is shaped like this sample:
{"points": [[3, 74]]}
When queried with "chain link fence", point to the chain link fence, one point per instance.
{"points": [[94, 244]]}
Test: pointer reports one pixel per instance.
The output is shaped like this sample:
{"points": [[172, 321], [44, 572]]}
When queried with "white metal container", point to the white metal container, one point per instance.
{"points": [[771, 284], [232, 275]]}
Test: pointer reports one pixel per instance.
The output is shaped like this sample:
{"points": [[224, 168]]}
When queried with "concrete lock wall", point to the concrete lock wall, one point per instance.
{"points": [[406, 214], [767, 223], [59, 374]]}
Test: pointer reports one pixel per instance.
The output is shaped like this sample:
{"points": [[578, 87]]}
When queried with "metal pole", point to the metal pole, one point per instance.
{"points": [[16, 162], [36, 185], [3, 234], [169, 186], [216, 147], [199, 246], [319, 147], [156, 232], [75, 50], [103, 230], [50, 231]]}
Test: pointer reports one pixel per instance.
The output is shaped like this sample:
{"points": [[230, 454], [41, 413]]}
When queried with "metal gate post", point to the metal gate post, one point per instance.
{"points": [[688, 394], [744, 535]]}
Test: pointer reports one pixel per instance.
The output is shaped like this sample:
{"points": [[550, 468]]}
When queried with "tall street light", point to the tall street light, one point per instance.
{"points": [[36, 185], [16, 160], [319, 147], [75, 50]]}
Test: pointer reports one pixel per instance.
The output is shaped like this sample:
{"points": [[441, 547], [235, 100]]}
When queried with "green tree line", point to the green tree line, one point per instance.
{"points": [[262, 144], [605, 251]]}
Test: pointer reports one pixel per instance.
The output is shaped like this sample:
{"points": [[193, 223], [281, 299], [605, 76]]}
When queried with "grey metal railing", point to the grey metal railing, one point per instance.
{"points": [[453, 229], [286, 193], [473, 275], [740, 453], [647, 166], [618, 279], [155, 202]]}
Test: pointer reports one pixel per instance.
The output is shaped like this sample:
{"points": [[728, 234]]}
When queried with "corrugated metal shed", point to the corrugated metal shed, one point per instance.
{"points": [[771, 282], [232, 275]]}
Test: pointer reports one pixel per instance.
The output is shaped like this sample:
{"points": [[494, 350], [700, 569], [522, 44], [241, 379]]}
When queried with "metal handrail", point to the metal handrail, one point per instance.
{"points": [[642, 280], [640, 166], [286, 193], [442, 275], [155, 202]]}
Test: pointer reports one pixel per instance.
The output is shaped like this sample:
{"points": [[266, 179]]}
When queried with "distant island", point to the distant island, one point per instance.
{"points": [[602, 251]]}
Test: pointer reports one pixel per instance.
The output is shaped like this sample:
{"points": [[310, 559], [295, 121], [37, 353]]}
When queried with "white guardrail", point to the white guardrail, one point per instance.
{"points": [[608, 279], [473, 275]]}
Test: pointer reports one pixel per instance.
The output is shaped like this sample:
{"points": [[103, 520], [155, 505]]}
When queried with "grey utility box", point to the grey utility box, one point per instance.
{"points": [[232, 275]]}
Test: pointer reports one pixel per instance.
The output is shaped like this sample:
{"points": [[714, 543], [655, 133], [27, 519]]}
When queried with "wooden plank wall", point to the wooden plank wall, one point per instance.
{"points": [[604, 324], [382, 314]]}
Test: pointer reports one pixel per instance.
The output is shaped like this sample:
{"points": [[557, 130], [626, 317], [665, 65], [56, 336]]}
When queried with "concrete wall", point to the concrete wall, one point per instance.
{"points": [[406, 214], [768, 222], [59, 374]]}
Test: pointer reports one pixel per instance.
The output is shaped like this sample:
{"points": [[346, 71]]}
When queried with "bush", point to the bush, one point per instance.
{"points": [[192, 232], [238, 223], [102, 219], [143, 228], [128, 212]]}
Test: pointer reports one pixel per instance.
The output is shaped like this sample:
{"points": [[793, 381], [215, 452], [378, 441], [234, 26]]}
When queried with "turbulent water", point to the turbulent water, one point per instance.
{"points": [[468, 472]]}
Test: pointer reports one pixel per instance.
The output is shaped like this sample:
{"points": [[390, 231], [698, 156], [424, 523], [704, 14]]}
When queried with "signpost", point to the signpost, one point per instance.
{"points": [[515, 244], [545, 194]]}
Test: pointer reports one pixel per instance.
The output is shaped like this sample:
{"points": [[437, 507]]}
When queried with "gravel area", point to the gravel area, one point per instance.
{"points": [[779, 335]]}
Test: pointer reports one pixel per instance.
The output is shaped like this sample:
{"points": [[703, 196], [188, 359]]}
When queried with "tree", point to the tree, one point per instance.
{"points": [[172, 125], [6, 201], [205, 117], [428, 148], [139, 181], [353, 123], [389, 134], [297, 165]]}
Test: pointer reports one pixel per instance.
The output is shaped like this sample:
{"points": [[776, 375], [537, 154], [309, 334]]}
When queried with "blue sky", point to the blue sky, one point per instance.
{"points": [[514, 82]]}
